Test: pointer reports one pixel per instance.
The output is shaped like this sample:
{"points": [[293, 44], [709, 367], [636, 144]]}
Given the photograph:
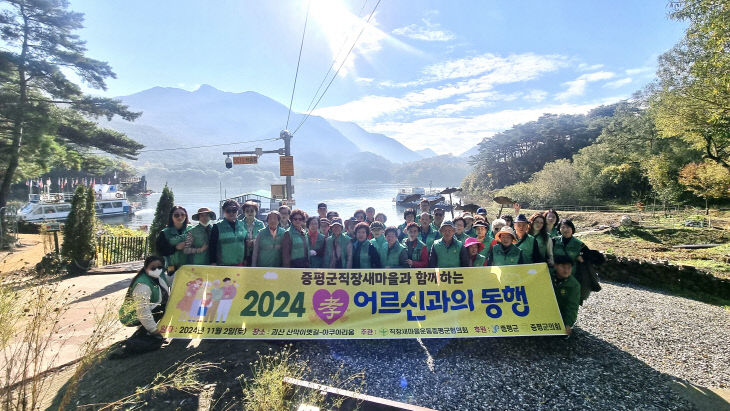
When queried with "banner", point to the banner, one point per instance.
{"points": [[293, 303]]}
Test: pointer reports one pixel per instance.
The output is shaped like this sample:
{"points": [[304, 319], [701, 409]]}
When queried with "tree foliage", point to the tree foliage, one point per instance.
{"points": [[162, 216], [691, 97], [44, 116], [706, 180], [515, 154], [79, 233]]}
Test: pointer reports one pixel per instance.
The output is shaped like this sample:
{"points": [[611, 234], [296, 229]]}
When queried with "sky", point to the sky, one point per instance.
{"points": [[431, 74]]}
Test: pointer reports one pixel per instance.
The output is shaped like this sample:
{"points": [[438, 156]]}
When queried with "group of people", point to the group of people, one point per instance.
{"points": [[292, 238]]}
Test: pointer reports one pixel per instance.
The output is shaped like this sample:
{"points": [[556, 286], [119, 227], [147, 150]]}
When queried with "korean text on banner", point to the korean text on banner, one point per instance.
{"points": [[289, 303]]}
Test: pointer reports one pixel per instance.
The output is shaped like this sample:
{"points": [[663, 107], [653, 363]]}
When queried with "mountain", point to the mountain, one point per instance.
{"points": [[426, 153], [470, 152], [380, 144]]}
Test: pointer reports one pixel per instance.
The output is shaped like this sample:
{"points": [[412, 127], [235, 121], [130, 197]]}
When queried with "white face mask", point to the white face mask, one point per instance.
{"points": [[155, 273], [205, 224]]}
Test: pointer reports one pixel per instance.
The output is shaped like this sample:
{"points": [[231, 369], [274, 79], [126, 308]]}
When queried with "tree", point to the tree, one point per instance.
{"points": [[162, 216], [691, 98], [73, 227], [44, 116], [706, 180]]}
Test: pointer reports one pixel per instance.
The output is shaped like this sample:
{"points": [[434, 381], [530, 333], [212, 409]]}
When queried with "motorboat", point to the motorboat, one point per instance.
{"points": [[57, 206]]}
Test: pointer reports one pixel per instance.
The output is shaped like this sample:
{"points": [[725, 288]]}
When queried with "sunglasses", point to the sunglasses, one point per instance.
{"points": [[231, 210], [176, 215], [439, 214], [297, 219]]}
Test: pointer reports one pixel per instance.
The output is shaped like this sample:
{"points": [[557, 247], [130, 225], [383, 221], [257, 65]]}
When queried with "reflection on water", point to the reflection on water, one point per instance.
{"points": [[341, 197]]}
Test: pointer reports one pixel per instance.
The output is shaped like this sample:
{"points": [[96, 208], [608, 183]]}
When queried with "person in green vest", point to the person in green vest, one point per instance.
{"points": [[143, 306], [544, 242], [338, 246], [409, 215], [360, 215], [253, 225], [381, 217], [566, 244], [428, 235], [505, 252], [475, 247], [424, 207], [227, 242], [460, 225], [350, 224], [416, 250], [395, 252], [171, 240], [526, 242], [377, 229], [196, 241], [497, 225], [481, 229], [324, 227], [364, 254], [369, 215], [469, 225], [322, 210], [294, 244], [447, 251], [284, 213], [438, 218], [552, 223], [316, 240], [567, 291], [267, 247]]}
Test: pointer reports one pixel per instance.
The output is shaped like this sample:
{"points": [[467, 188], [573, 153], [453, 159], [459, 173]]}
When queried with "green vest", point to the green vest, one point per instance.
{"points": [[472, 232], [448, 256], [527, 244], [429, 238], [178, 258], [257, 226], [316, 261], [128, 310], [486, 241], [567, 294], [231, 244], [381, 246], [200, 238], [572, 250], [299, 245], [542, 246], [342, 240], [363, 255], [554, 232], [479, 261], [270, 248], [392, 255], [509, 257], [461, 237], [416, 251]]}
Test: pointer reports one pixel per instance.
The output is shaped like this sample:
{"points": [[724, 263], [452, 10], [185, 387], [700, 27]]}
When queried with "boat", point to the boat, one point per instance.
{"points": [[411, 198], [57, 206]]}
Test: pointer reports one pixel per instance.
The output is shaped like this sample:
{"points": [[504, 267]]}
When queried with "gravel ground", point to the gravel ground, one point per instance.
{"points": [[630, 345]]}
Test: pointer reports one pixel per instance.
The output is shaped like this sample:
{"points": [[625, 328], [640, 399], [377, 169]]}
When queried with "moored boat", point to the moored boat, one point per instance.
{"points": [[57, 206]]}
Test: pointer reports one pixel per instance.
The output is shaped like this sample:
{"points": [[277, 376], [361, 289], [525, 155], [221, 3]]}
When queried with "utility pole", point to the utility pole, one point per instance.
{"points": [[284, 154]]}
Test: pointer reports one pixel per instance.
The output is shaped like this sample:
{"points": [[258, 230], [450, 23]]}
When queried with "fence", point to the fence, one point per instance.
{"points": [[115, 250]]}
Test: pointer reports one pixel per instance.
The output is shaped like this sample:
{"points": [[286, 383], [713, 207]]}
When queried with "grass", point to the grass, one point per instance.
{"points": [[656, 244]]}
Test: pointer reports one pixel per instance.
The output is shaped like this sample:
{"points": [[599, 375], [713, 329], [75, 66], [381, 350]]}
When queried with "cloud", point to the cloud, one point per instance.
{"points": [[417, 32], [473, 76], [618, 83], [535, 96], [577, 87], [587, 67], [457, 134], [639, 70]]}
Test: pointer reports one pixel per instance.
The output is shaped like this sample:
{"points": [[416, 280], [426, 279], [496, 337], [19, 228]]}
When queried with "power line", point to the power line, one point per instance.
{"points": [[334, 61], [339, 68], [299, 59], [205, 146]]}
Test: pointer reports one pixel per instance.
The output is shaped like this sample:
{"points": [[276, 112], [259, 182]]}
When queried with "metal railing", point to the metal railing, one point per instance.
{"points": [[116, 250]]}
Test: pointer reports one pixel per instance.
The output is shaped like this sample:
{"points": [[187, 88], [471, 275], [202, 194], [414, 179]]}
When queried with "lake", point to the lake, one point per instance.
{"points": [[343, 198]]}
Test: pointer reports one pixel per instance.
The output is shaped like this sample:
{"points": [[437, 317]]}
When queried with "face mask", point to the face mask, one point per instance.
{"points": [[205, 224], [155, 273]]}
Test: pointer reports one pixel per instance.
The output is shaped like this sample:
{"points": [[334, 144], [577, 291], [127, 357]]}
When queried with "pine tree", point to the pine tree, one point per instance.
{"points": [[162, 216], [87, 232], [73, 223]]}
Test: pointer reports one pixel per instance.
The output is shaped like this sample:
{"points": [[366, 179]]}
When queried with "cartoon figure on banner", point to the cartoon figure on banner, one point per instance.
{"points": [[195, 307], [186, 302], [229, 292], [330, 306], [216, 294]]}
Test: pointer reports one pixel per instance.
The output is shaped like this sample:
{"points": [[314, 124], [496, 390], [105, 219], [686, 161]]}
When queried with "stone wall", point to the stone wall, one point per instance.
{"points": [[662, 275]]}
